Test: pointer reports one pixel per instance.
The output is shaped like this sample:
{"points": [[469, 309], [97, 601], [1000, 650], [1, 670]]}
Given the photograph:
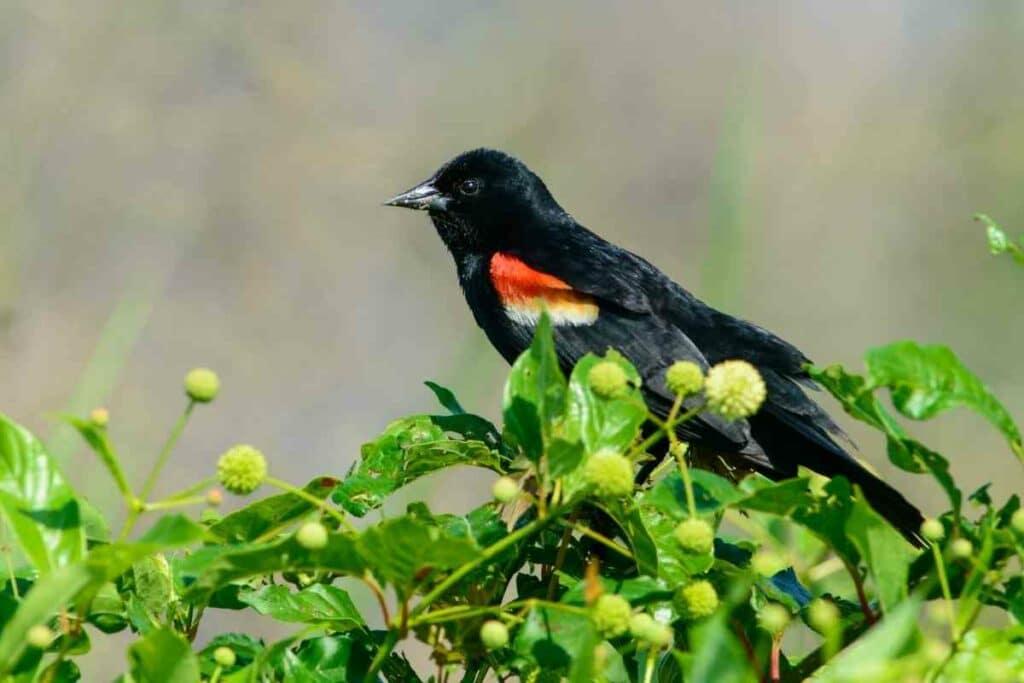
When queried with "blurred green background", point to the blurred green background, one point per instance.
{"points": [[199, 183]]}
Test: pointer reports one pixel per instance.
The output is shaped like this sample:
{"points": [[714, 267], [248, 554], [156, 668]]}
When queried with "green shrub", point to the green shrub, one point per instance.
{"points": [[571, 572]]}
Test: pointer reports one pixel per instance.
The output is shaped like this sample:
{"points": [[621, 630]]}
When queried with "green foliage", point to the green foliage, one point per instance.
{"points": [[558, 568]]}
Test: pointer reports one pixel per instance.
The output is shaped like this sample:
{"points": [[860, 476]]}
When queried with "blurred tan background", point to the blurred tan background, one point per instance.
{"points": [[199, 183]]}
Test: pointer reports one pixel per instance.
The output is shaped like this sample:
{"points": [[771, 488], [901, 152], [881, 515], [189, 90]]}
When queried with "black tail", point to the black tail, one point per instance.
{"points": [[884, 499], [790, 443]]}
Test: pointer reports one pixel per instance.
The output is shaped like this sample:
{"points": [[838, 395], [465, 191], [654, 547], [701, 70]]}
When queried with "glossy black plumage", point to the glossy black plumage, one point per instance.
{"points": [[485, 202]]}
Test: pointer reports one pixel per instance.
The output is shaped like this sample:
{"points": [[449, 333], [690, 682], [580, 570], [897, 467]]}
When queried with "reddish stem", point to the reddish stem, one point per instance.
{"points": [[869, 615], [748, 648], [776, 656]]}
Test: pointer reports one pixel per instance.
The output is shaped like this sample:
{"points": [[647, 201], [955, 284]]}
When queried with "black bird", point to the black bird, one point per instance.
{"points": [[515, 247]]}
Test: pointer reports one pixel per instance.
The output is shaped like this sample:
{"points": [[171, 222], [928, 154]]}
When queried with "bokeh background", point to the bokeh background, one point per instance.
{"points": [[199, 183]]}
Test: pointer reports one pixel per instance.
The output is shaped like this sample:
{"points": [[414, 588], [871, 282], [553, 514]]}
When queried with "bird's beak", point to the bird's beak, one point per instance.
{"points": [[423, 197]]}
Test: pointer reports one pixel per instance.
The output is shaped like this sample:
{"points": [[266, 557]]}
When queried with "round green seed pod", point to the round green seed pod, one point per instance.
{"points": [[696, 600], [505, 489], [312, 536], [774, 618], [242, 469], [494, 634], [611, 614], [202, 385], [100, 417], [734, 389], [823, 615], [610, 473], [1017, 521], [695, 536], [684, 378], [961, 548], [40, 636], [607, 379], [224, 657], [932, 530], [766, 563]]}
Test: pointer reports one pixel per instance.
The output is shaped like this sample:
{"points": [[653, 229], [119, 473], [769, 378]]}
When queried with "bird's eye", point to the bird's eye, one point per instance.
{"points": [[469, 187]]}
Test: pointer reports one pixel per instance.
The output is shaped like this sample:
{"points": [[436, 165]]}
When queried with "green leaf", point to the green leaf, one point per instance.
{"points": [[446, 398], [640, 590], [827, 516], [318, 604], [154, 586], [873, 657], [535, 394], [404, 551], [925, 380], [631, 522], [711, 493], [559, 641], [37, 501], [213, 567], [887, 554], [408, 449], [858, 399], [264, 517], [81, 580], [998, 241], [599, 422], [97, 439], [986, 654], [163, 656], [245, 647], [717, 654]]}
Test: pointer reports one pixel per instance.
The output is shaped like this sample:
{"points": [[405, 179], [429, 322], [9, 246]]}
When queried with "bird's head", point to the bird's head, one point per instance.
{"points": [[482, 200]]}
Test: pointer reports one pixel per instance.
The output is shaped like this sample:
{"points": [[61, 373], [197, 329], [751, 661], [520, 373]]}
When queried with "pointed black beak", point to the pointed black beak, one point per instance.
{"points": [[423, 197]]}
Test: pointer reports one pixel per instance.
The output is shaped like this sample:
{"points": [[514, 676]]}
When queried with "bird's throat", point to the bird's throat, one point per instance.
{"points": [[525, 292]]}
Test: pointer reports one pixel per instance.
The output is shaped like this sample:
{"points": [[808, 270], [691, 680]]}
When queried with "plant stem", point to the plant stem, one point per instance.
{"points": [[485, 555], [776, 655], [452, 579], [168, 504], [313, 500], [216, 675], [5, 548], [382, 654], [137, 505], [161, 460], [603, 540], [862, 598], [379, 594], [563, 549], [649, 665], [947, 595], [194, 489]]}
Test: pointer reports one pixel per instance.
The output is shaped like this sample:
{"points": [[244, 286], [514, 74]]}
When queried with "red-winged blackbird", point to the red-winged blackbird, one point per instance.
{"points": [[515, 247]]}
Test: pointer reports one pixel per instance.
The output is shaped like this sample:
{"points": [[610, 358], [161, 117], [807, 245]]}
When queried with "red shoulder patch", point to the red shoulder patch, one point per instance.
{"points": [[524, 291], [516, 281]]}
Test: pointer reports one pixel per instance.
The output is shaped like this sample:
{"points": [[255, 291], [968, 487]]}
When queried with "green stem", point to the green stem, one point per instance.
{"points": [[136, 506], [168, 504], [179, 427], [603, 540], [680, 454], [684, 472], [649, 665], [487, 553], [947, 595], [382, 654], [194, 489], [5, 548], [216, 675], [319, 503], [665, 427]]}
